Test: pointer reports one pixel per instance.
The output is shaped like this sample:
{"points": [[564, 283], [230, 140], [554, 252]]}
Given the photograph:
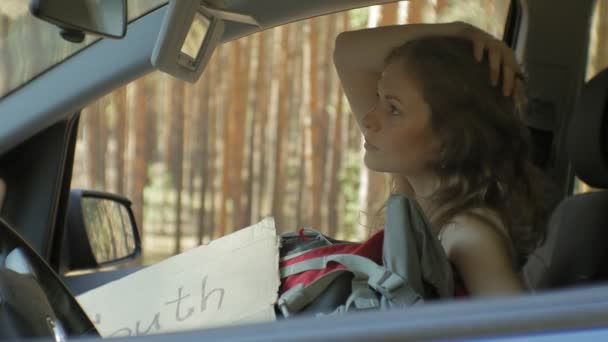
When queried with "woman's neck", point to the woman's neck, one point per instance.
{"points": [[424, 186]]}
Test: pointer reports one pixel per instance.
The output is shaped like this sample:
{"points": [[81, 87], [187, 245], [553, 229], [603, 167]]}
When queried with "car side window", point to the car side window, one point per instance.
{"points": [[265, 131], [2, 192], [597, 59]]}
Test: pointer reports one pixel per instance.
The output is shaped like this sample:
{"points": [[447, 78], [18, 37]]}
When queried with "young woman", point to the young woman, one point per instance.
{"points": [[440, 108]]}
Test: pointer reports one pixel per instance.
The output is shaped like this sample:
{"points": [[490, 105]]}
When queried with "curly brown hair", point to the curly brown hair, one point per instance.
{"points": [[485, 160]]}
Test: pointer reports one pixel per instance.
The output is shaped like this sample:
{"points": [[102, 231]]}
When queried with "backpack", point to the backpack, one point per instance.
{"points": [[401, 266]]}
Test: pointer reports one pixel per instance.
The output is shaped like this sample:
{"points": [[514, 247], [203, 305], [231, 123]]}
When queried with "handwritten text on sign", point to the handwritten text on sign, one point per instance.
{"points": [[233, 279]]}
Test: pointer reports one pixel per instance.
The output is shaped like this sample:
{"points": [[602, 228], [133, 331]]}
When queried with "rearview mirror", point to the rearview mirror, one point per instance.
{"points": [[106, 18], [101, 230]]}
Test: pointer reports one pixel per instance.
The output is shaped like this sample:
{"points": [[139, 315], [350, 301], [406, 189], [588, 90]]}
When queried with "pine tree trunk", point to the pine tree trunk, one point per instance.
{"points": [[203, 154], [441, 5], [338, 148], [390, 13], [190, 102], [89, 118], [250, 129], [175, 155], [193, 147], [240, 116], [262, 99], [269, 146], [120, 105], [228, 136], [415, 11], [214, 80], [102, 142], [336, 166], [152, 142], [330, 117], [301, 203], [94, 122], [281, 130], [294, 153], [139, 175], [317, 142], [306, 176]]}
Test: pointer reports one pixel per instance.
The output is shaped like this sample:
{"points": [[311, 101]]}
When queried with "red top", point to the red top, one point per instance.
{"points": [[459, 289]]}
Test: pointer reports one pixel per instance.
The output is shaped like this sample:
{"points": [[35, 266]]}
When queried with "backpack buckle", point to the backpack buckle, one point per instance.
{"points": [[386, 283]]}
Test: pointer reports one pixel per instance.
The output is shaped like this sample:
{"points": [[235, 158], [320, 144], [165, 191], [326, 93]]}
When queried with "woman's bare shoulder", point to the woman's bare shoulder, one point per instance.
{"points": [[477, 244], [475, 224]]}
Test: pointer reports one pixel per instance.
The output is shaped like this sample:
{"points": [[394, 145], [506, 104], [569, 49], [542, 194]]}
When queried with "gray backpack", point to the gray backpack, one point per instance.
{"points": [[414, 269]]}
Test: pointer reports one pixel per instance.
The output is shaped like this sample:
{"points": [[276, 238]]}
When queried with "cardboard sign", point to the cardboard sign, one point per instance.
{"points": [[234, 279]]}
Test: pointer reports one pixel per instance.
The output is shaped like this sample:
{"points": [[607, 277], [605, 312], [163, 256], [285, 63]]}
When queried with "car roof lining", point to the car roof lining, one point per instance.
{"points": [[271, 13]]}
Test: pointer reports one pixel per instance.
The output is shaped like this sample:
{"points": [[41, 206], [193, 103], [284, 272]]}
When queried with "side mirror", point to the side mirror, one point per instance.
{"points": [[101, 230], [106, 18]]}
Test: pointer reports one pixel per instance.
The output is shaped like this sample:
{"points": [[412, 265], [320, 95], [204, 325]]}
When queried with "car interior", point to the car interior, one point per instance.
{"points": [[576, 227], [569, 127]]}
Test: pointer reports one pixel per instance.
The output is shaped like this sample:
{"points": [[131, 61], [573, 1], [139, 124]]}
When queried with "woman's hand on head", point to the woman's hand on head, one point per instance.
{"points": [[500, 56]]}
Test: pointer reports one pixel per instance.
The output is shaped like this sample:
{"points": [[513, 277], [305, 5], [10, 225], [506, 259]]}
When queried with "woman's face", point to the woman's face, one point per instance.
{"points": [[398, 133]]}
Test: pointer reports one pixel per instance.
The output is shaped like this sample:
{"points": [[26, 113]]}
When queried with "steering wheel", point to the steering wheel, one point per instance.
{"points": [[34, 302]]}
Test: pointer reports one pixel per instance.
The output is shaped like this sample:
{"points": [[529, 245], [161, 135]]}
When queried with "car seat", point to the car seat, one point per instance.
{"points": [[575, 251]]}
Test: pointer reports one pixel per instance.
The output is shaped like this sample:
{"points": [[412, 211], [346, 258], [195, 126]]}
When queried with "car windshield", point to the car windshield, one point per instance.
{"points": [[29, 46]]}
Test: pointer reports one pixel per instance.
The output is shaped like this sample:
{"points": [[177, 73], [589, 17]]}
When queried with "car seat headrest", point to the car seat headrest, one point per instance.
{"points": [[588, 133]]}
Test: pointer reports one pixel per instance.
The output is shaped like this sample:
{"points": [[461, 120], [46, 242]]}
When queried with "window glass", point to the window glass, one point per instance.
{"points": [[598, 43], [597, 59], [30, 46], [266, 131]]}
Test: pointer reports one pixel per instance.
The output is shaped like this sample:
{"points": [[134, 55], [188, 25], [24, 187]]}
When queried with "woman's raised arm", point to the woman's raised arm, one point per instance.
{"points": [[359, 57]]}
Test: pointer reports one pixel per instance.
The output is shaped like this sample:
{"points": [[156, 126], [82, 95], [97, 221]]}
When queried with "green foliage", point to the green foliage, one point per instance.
{"points": [[358, 18], [155, 194], [349, 186]]}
